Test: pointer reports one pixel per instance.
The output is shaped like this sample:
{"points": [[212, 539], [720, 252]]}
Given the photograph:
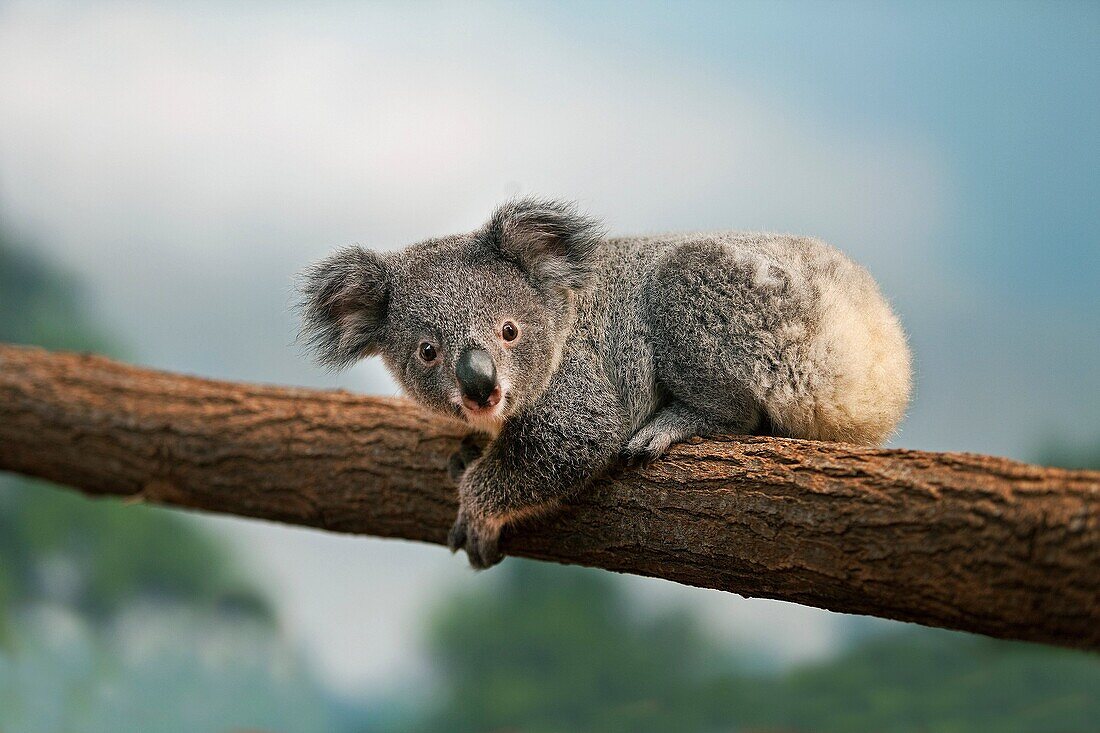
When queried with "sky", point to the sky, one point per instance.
{"points": [[185, 160]]}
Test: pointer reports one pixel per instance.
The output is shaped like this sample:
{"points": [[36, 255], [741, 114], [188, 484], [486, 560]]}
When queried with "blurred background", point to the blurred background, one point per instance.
{"points": [[165, 168]]}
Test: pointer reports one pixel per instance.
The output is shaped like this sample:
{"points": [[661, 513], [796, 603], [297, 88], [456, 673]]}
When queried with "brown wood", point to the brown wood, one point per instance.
{"points": [[944, 539]]}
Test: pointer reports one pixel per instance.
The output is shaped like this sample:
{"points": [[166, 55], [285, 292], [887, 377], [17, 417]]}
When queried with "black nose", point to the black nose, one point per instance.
{"points": [[477, 376]]}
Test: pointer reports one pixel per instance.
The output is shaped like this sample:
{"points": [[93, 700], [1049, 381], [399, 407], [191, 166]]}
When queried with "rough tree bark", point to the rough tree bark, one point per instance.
{"points": [[943, 539]]}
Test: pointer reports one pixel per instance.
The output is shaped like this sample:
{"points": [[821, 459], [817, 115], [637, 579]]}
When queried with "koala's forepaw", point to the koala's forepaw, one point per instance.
{"points": [[481, 540], [468, 452], [644, 448]]}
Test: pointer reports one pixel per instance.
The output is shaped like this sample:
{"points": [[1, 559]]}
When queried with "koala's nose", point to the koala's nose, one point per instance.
{"points": [[477, 377]]}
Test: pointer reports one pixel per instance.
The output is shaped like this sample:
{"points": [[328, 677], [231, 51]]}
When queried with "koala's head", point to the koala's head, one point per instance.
{"points": [[470, 325]]}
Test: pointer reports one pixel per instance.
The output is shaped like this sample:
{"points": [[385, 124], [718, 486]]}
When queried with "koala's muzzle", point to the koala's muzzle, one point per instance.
{"points": [[477, 378]]}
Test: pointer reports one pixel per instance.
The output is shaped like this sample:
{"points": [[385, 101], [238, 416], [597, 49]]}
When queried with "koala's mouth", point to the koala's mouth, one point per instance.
{"points": [[491, 410]]}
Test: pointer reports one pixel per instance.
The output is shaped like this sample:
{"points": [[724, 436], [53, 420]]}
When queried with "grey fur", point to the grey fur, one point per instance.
{"points": [[627, 346]]}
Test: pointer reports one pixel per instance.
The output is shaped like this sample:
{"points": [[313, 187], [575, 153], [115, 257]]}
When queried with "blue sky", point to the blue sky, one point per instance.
{"points": [[1009, 93], [185, 160]]}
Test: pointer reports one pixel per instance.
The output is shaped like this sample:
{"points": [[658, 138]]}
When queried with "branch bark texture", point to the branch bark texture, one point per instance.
{"points": [[955, 540]]}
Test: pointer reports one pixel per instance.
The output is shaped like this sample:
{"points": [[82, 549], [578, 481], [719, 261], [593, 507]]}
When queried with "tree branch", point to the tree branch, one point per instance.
{"points": [[943, 539]]}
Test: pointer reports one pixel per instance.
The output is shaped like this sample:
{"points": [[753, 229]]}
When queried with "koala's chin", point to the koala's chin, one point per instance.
{"points": [[488, 421]]}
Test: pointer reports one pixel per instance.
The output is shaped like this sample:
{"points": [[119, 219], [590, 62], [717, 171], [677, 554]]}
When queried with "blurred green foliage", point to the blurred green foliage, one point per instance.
{"points": [[920, 679], [549, 649], [40, 304], [99, 556]]}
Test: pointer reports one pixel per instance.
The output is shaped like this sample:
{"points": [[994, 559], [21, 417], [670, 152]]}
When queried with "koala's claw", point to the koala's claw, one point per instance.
{"points": [[457, 466], [456, 538], [468, 452], [484, 552], [643, 450], [482, 544]]}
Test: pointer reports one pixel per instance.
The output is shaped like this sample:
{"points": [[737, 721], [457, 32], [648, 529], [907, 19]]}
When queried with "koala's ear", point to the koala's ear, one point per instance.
{"points": [[549, 240], [343, 306]]}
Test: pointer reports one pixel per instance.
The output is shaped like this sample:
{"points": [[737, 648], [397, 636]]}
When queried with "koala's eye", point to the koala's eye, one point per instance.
{"points": [[509, 331], [427, 352]]}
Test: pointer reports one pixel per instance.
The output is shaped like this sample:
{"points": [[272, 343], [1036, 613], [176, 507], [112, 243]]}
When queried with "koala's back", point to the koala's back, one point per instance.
{"points": [[784, 325]]}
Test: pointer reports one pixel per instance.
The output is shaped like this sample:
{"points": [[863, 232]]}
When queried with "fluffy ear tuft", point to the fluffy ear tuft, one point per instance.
{"points": [[549, 240], [343, 306]]}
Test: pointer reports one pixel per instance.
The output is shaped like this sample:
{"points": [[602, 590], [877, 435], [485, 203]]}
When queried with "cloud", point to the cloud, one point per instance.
{"points": [[230, 136]]}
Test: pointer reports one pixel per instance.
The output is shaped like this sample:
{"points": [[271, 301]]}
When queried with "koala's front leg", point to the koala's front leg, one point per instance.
{"points": [[479, 536], [495, 491], [551, 451], [485, 507]]}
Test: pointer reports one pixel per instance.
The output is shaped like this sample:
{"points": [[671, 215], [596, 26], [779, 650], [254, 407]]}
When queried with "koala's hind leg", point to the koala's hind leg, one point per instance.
{"points": [[680, 420], [727, 324], [672, 423]]}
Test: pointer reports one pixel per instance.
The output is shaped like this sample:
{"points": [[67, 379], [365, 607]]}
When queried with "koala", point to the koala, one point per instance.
{"points": [[571, 350]]}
